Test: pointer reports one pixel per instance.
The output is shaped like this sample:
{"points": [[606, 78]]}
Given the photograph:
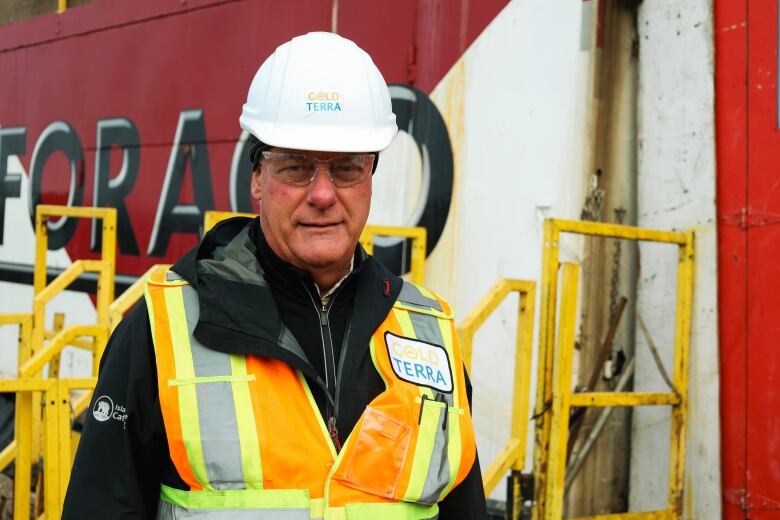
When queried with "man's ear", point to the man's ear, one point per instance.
{"points": [[254, 185]]}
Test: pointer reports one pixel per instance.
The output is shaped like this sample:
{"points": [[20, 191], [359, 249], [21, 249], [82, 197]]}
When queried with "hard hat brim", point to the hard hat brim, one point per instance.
{"points": [[320, 138]]}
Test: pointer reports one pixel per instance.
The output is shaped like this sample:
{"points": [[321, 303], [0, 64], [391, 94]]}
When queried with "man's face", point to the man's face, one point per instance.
{"points": [[312, 227]]}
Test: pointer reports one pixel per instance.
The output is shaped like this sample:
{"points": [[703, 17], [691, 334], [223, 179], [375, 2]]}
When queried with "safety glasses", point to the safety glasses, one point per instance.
{"points": [[300, 170]]}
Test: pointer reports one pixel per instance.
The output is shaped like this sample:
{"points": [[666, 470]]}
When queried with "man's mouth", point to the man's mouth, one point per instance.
{"points": [[319, 224]]}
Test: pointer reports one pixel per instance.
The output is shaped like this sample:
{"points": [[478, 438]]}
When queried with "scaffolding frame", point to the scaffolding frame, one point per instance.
{"points": [[554, 395], [34, 354]]}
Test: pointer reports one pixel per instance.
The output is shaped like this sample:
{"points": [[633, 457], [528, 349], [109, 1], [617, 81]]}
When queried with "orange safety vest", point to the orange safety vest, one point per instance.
{"points": [[246, 436]]}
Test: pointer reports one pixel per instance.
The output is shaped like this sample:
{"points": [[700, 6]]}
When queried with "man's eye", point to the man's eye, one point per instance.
{"points": [[294, 168], [346, 167]]}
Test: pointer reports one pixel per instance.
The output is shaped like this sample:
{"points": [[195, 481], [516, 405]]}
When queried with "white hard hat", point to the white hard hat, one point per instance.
{"points": [[320, 92]]}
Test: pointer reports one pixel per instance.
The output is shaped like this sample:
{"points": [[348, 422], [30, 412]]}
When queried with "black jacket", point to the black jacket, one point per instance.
{"points": [[121, 461]]}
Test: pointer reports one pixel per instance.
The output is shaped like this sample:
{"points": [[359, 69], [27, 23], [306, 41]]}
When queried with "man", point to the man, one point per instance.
{"points": [[279, 372]]}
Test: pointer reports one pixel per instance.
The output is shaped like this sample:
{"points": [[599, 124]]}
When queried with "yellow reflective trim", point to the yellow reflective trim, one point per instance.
{"points": [[422, 310], [372, 351], [429, 423], [390, 511], [454, 452], [210, 379], [150, 310], [445, 327], [245, 421], [337, 513], [185, 369], [316, 411], [317, 508], [237, 498], [405, 322]]}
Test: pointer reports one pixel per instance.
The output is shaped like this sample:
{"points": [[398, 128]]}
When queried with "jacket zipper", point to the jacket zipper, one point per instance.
{"points": [[341, 362], [330, 365]]}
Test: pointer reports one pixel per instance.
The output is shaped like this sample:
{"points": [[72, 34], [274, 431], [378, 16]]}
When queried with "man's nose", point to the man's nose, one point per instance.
{"points": [[322, 191]]}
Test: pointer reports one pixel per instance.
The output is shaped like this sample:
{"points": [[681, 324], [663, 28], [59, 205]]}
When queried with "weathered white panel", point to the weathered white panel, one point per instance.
{"points": [[676, 191], [514, 106]]}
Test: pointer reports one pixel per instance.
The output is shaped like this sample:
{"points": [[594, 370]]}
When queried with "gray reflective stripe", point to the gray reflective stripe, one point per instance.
{"points": [[168, 511], [426, 328], [216, 410], [172, 276], [439, 469], [411, 295]]}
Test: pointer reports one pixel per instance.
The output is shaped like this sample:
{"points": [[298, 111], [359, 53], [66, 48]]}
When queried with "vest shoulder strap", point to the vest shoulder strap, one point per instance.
{"points": [[166, 279], [416, 298]]}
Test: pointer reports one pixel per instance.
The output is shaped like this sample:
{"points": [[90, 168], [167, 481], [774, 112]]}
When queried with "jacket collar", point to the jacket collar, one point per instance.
{"points": [[238, 314]]}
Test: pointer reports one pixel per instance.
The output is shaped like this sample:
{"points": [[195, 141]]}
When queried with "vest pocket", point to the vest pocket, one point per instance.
{"points": [[378, 455]]}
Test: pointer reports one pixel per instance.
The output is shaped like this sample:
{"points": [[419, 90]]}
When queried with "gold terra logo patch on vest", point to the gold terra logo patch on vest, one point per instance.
{"points": [[419, 363]]}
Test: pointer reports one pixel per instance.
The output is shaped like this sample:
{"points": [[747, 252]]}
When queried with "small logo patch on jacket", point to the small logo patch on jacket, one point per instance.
{"points": [[420, 363]]}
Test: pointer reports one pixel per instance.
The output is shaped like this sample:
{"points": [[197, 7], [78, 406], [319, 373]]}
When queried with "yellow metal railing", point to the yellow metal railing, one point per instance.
{"points": [[554, 394], [131, 295], [211, 217], [105, 268], [57, 447], [512, 457], [418, 235], [24, 322], [35, 353], [62, 5]]}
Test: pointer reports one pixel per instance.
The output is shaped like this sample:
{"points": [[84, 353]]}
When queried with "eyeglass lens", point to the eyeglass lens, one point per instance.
{"points": [[344, 170]]}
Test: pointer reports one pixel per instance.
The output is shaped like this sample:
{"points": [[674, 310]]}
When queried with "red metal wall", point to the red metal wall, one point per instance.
{"points": [[149, 60], [748, 148]]}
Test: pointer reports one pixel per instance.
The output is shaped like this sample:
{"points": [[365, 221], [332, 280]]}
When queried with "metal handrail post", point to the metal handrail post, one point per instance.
{"points": [[682, 339], [562, 371], [550, 265], [512, 456]]}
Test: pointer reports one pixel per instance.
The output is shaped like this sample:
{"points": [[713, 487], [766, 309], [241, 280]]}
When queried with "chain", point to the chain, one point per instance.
{"points": [[594, 201], [614, 283]]}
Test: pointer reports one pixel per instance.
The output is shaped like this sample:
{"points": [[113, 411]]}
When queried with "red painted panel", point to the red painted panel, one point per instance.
{"points": [[731, 136], [763, 274], [444, 29], [385, 30], [148, 60], [439, 32]]}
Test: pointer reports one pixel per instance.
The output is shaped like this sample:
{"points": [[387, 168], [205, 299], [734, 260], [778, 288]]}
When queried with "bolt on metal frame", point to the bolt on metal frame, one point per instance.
{"points": [[554, 395], [512, 456]]}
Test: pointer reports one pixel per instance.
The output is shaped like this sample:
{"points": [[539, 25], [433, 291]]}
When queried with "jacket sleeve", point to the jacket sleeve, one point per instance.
{"points": [[467, 500], [116, 473]]}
